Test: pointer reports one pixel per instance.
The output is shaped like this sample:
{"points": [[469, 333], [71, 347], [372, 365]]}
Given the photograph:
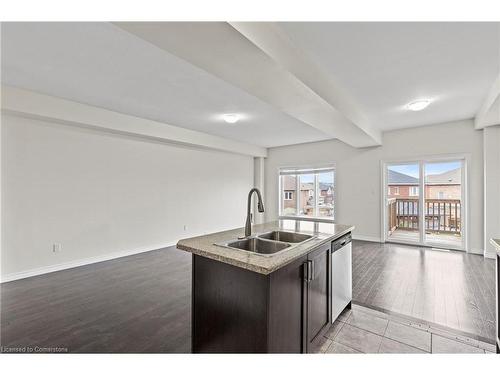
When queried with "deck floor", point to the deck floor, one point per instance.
{"points": [[434, 239]]}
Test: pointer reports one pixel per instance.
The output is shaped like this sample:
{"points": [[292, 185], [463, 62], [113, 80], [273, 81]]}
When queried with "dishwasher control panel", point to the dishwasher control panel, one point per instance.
{"points": [[341, 242]]}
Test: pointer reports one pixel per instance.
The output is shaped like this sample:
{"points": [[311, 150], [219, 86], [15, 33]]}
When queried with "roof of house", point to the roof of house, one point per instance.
{"points": [[306, 186], [396, 178], [325, 186], [453, 177], [290, 184]]}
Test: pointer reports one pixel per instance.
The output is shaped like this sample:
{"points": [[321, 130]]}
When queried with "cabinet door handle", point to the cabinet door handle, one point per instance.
{"points": [[311, 270], [305, 271]]}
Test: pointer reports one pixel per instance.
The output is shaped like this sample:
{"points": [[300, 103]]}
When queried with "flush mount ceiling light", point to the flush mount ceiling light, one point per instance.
{"points": [[231, 118], [418, 105]]}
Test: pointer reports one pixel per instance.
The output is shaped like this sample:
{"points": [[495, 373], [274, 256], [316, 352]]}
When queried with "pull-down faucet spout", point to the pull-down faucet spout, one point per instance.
{"points": [[260, 207]]}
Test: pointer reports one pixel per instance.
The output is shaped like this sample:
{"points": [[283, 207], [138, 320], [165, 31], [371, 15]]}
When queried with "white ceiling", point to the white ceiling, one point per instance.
{"points": [[241, 58], [386, 65], [102, 65], [375, 67]]}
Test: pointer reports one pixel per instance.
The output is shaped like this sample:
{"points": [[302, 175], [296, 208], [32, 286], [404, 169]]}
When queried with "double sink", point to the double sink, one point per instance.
{"points": [[268, 243]]}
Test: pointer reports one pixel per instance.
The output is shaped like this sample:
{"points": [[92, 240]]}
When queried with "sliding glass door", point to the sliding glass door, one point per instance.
{"points": [[424, 203], [403, 202], [443, 204]]}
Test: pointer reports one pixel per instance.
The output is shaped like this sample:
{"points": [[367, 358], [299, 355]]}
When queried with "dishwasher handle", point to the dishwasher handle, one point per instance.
{"points": [[341, 242]]}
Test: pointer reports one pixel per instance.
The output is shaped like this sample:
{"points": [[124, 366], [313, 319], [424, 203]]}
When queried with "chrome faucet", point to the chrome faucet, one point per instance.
{"points": [[260, 207]]}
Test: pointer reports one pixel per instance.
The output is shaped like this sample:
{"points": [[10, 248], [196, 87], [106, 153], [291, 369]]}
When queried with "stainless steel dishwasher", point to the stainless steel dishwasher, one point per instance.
{"points": [[341, 274]]}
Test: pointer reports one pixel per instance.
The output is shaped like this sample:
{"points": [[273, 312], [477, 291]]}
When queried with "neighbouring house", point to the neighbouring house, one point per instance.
{"points": [[400, 185], [446, 185], [306, 200], [442, 204]]}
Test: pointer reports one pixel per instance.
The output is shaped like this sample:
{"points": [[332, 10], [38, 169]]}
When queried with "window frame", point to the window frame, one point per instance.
{"points": [[315, 170], [411, 191], [465, 159], [291, 196]]}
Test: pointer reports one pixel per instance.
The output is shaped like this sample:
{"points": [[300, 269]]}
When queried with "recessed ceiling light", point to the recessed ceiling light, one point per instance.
{"points": [[418, 105], [231, 118]]}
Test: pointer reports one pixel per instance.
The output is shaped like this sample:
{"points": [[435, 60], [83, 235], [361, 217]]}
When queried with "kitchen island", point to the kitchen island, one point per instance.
{"points": [[277, 300]]}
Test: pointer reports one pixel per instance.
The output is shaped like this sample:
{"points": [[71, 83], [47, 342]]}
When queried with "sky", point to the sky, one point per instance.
{"points": [[323, 177], [430, 168]]}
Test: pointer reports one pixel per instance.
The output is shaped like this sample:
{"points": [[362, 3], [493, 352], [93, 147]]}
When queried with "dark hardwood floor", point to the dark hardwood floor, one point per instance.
{"points": [[142, 303], [449, 288], [139, 303]]}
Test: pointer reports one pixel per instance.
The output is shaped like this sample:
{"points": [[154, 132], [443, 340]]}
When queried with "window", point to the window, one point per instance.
{"points": [[314, 192], [396, 190], [306, 195], [413, 191], [441, 195]]}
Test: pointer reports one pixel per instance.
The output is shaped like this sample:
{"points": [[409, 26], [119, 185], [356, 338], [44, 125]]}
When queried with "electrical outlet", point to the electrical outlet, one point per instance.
{"points": [[57, 247]]}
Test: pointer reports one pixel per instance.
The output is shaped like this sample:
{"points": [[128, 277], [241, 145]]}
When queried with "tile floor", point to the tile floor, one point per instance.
{"points": [[364, 330]]}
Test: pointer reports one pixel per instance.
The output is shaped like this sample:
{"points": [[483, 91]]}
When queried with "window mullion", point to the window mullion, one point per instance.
{"points": [[316, 199], [281, 203], [297, 194]]}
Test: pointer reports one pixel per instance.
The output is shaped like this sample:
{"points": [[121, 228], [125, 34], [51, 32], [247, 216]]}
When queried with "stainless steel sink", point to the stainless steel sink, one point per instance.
{"points": [[269, 243], [256, 245], [290, 237]]}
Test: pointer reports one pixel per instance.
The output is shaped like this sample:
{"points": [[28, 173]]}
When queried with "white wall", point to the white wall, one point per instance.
{"points": [[259, 169], [358, 172], [491, 187], [102, 195]]}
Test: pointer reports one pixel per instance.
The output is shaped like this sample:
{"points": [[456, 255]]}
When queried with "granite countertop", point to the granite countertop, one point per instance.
{"points": [[205, 245], [496, 243]]}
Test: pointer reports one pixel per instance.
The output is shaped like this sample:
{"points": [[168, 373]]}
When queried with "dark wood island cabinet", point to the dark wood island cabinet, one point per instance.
{"points": [[317, 296], [241, 311], [258, 304]]}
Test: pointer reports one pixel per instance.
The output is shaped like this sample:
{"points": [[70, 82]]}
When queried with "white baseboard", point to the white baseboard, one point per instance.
{"points": [[365, 238], [476, 251], [490, 254], [77, 263]]}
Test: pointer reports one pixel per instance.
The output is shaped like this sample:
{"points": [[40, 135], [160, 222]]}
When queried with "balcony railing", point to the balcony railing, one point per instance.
{"points": [[441, 215]]}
